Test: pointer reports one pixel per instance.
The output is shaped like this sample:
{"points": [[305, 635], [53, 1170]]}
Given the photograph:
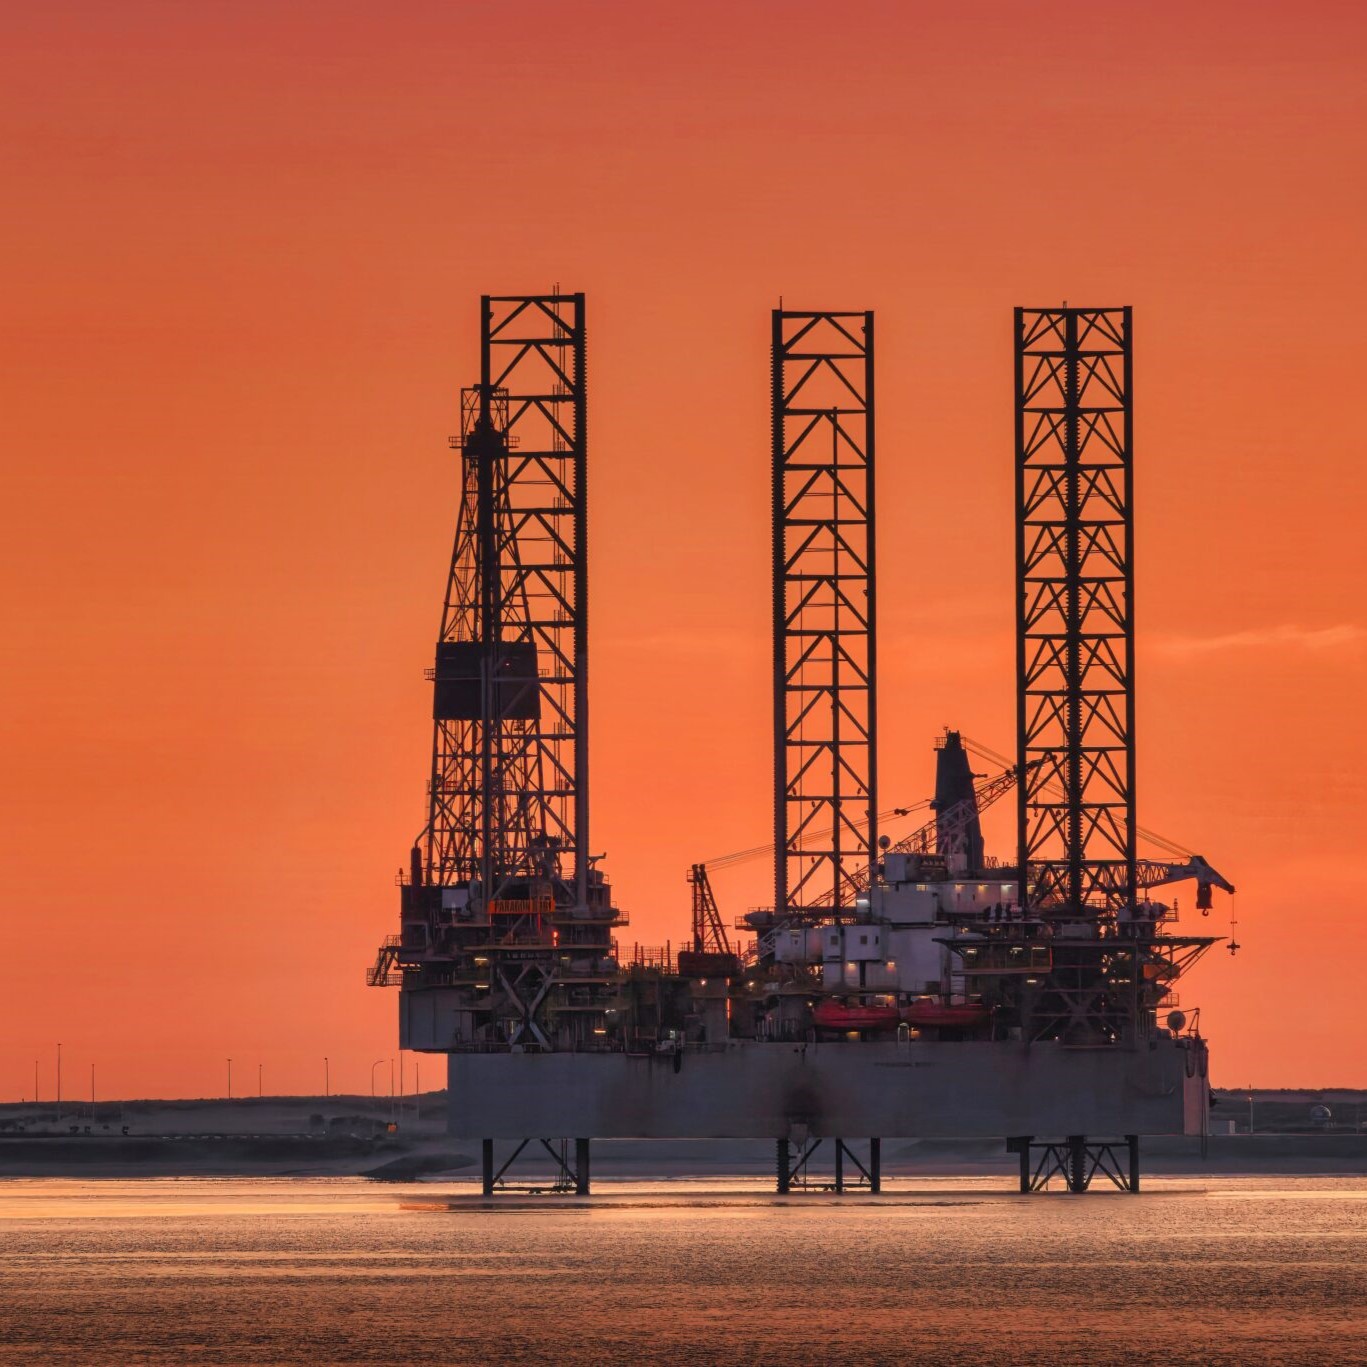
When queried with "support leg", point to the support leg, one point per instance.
{"points": [[1077, 1162], [1133, 1141], [581, 1167], [875, 1166], [1020, 1145], [839, 1166], [785, 1175], [487, 1165]]}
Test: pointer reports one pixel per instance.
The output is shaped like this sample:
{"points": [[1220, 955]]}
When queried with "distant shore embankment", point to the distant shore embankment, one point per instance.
{"points": [[403, 1139]]}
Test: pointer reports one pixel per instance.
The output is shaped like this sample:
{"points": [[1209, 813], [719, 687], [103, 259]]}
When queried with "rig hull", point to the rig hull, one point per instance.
{"points": [[772, 1090]]}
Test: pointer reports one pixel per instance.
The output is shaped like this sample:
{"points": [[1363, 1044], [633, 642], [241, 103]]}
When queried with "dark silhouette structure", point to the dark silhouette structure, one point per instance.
{"points": [[825, 694], [958, 827], [510, 768], [922, 990], [1074, 596]]}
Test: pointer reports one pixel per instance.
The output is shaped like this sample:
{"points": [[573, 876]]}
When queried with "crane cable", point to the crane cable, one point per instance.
{"points": [[974, 747], [759, 851], [1163, 843]]}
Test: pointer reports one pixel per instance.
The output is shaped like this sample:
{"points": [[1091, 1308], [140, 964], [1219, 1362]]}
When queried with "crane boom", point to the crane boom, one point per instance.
{"points": [[945, 833], [1151, 873]]}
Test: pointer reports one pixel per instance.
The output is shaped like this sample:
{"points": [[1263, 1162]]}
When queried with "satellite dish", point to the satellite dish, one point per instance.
{"points": [[1176, 1020], [883, 842]]}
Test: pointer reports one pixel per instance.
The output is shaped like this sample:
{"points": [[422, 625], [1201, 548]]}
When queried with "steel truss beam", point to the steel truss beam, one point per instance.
{"points": [[1075, 595], [1077, 1160], [509, 785], [795, 1169], [569, 1180], [525, 991], [825, 713]]}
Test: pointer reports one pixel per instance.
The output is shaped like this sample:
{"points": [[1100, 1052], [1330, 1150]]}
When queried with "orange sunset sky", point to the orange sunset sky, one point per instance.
{"points": [[242, 251]]}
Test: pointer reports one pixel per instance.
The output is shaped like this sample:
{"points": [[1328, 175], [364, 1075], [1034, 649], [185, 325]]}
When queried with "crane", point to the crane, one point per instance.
{"points": [[1151, 873], [709, 934], [945, 834]]}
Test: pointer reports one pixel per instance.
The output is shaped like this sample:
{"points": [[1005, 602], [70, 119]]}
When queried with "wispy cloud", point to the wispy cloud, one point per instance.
{"points": [[970, 648], [1287, 637]]}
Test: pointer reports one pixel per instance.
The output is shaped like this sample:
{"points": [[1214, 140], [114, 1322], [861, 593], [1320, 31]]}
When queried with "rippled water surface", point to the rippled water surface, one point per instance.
{"points": [[952, 1271]]}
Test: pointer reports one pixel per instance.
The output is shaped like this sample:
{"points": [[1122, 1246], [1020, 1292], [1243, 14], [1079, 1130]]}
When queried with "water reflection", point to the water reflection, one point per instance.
{"points": [[1229, 1270]]}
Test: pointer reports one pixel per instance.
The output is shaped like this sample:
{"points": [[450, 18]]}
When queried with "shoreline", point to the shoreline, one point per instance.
{"points": [[403, 1159], [403, 1139]]}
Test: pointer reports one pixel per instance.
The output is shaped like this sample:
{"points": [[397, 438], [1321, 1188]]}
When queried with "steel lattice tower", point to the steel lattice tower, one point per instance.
{"points": [[509, 785], [1075, 596], [825, 714]]}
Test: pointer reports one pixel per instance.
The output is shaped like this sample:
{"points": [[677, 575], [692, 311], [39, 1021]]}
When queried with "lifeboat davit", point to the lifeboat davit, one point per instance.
{"points": [[834, 1015], [957, 1015]]}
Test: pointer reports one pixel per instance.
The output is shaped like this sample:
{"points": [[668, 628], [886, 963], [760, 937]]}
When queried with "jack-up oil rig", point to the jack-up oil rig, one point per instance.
{"points": [[912, 989]]}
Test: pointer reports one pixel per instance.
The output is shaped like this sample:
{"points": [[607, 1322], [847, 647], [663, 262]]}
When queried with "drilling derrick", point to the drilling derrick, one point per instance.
{"points": [[506, 923], [825, 714], [510, 765]]}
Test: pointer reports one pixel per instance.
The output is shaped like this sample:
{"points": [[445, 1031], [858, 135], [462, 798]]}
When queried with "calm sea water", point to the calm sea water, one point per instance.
{"points": [[946, 1271]]}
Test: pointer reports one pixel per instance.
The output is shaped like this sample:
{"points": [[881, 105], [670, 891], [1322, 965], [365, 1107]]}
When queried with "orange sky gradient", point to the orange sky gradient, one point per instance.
{"points": [[242, 251]]}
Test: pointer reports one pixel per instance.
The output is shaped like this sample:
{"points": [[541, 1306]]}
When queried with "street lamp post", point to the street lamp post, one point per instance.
{"points": [[373, 1066], [230, 1079], [327, 1077], [59, 1082], [259, 1091]]}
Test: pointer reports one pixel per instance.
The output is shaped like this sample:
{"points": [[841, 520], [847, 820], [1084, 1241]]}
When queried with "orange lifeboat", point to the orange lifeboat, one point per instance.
{"points": [[945, 1014], [835, 1015]]}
